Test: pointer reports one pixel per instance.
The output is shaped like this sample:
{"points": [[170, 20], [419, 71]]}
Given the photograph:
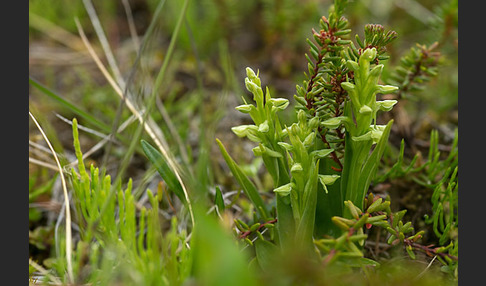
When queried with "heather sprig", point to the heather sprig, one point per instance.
{"points": [[416, 68], [376, 37], [346, 248]]}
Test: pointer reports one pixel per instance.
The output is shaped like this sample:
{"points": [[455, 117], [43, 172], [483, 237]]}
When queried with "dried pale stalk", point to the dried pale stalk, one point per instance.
{"points": [[69, 239]]}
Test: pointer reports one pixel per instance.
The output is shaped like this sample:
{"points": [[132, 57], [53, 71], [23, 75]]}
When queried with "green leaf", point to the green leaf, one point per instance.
{"points": [[372, 164], [410, 252], [164, 170], [216, 258], [218, 199], [248, 187], [272, 165], [362, 261], [305, 228], [335, 122], [88, 117], [328, 204], [265, 252]]}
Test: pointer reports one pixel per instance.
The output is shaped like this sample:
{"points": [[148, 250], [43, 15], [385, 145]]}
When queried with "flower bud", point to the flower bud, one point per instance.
{"points": [[313, 123], [257, 151], [328, 179], [286, 146], [321, 153], [284, 190], [250, 86], [250, 73], [376, 135], [245, 108], [386, 88], [240, 131], [297, 167], [365, 109], [253, 77], [280, 103], [368, 54], [347, 86], [243, 130], [386, 105], [301, 116], [309, 140], [263, 127], [352, 65], [331, 123]]}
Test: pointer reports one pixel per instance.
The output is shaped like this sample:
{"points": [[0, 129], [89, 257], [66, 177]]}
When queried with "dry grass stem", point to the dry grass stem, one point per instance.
{"points": [[69, 239], [44, 272]]}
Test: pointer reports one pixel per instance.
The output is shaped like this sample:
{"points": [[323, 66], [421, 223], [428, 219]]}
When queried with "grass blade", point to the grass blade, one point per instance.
{"points": [[69, 105], [305, 229], [163, 168], [247, 185], [218, 200], [265, 253]]}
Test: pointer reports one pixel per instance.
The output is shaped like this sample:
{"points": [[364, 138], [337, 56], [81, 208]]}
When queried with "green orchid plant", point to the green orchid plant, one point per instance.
{"points": [[323, 164]]}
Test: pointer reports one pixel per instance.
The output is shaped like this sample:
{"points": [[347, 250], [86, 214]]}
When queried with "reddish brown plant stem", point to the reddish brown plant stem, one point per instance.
{"points": [[428, 249], [330, 256], [339, 98], [311, 81], [248, 232], [333, 153]]}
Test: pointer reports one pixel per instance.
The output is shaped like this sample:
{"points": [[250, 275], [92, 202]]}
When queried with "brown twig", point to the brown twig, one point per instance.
{"points": [[310, 85], [248, 232], [329, 257], [333, 153], [428, 249]]}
